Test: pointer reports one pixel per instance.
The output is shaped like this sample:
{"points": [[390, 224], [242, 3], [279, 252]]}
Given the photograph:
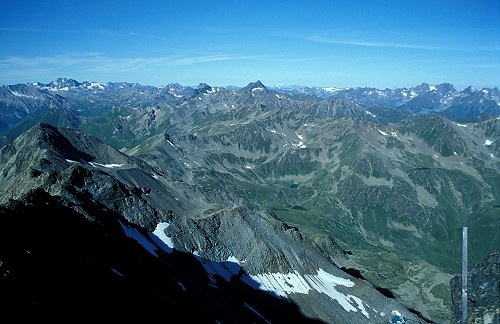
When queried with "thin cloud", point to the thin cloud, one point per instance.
{"points": [[98, 62], [365, 43], [62, 61], [394, 45], [205, 59]]}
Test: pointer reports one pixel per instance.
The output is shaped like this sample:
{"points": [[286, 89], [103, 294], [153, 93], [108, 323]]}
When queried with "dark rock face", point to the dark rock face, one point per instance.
{"points": [[54, 263], [483, 292]]}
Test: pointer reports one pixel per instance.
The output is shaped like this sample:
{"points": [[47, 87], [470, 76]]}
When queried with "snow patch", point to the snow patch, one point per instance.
{"points": [[323, 282], [95, 85], [383, 133], [371, 114], [278, 283], [95, 164], [488, 142], [159, 236], [181, 285], [275, 132], [300, 141], [332, 89], [111, 165], [117, 272], [256, 312], [18, 94]]}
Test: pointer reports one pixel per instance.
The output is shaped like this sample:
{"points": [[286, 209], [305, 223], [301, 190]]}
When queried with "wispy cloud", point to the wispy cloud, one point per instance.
{"points": [[16, 66], [56, 61], [367, 43], [459, 45]]}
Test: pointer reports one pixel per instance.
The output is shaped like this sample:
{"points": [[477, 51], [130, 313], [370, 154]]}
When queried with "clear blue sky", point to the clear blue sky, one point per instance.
{"points": [[383, 44]]}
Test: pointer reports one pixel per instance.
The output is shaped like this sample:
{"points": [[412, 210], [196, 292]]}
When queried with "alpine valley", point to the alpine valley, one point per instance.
{"points": [[248, 204]]}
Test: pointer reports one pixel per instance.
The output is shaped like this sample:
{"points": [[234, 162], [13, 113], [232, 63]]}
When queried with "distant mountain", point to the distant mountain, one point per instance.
{"points": [[376, 191], [21, 102], [468, 105], [23, 105]]}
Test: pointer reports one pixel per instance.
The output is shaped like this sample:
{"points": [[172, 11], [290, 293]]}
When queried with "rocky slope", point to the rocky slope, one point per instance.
{"points": [[89, 228]]}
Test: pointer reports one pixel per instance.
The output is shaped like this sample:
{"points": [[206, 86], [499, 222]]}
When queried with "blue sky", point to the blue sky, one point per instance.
{"points": [[383, 44]]}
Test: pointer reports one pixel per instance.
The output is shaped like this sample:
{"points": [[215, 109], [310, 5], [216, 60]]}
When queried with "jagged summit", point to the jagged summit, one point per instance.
{"points": [[66, 144], [255, 86], [204, 88], [441, 87], [65, 82]]}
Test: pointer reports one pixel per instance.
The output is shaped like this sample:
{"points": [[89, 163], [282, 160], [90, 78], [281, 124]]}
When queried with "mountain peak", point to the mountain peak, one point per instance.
{"points": [[202, 88], [446, 87], [255, 86], [469, 90], [48, 137], [203, 85], [65, 82]]}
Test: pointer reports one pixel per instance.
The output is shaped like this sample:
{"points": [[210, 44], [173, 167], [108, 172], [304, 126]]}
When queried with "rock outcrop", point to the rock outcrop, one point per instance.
{"points": [[483, 292]]}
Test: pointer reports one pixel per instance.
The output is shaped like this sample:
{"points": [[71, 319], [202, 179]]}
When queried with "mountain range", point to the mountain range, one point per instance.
{"points": [[331, 205]]}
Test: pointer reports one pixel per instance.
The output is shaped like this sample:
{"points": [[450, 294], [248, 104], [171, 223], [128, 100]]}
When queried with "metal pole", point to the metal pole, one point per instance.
{"points": [[464, 275]]}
